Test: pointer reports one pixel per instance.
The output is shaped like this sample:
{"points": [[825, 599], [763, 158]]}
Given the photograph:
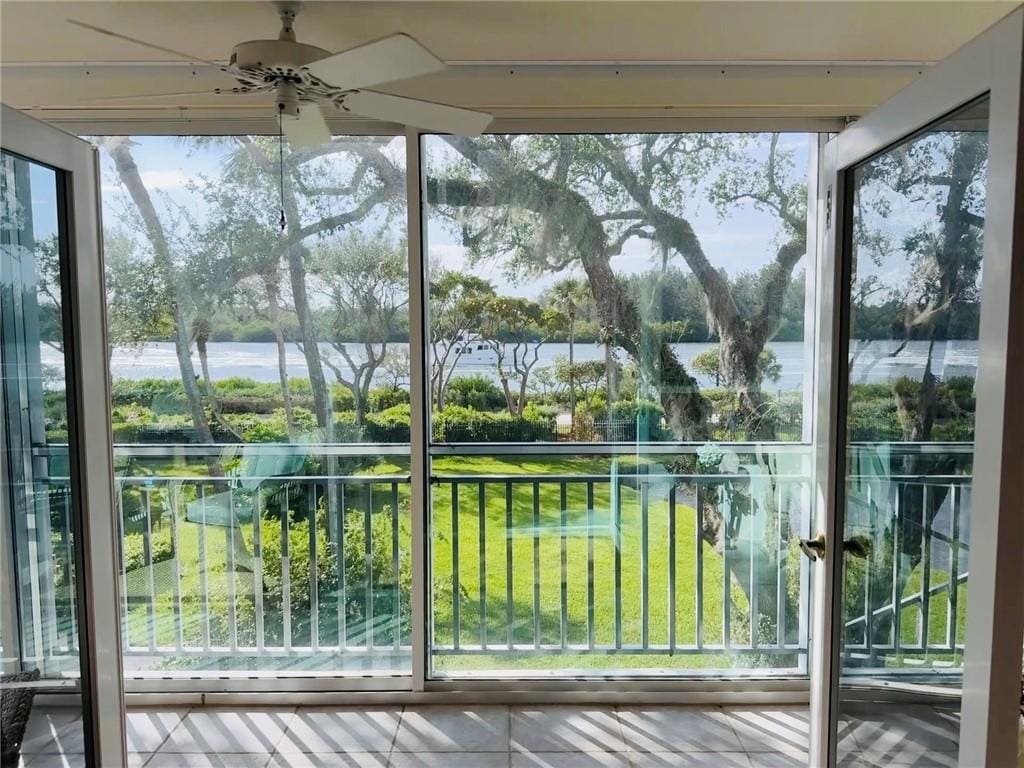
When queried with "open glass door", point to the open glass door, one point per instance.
{"points": [[920, 549], [59, 616]]}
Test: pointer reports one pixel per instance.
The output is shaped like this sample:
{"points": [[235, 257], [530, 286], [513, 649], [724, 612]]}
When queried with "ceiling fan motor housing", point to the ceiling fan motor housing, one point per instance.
{"points": [[274, 59]]}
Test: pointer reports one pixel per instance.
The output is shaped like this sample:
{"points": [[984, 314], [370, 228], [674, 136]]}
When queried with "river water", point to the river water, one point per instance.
{"points": [[873, 362]]}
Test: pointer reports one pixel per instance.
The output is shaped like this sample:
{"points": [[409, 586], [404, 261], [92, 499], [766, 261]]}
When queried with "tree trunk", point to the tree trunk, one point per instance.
{"points": [[572, 374], [611, 374], [321, 394], [273, 299], [128, 173]]}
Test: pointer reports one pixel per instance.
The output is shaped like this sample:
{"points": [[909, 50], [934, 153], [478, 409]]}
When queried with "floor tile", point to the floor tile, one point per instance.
{"points": [[448, 760], [138, 759], [905, 732], [146, 729], [218, 731], [56, 761], [878, 759], [329, 760], [689, 760], [677, 729], [53, 731], [566, 729], [770, 729], [570, 760], [796, 758], [453, 729], [212, 760], [341, 730]]}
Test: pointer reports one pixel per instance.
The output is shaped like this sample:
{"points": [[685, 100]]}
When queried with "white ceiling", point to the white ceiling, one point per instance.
{"points": [[505, 54]]}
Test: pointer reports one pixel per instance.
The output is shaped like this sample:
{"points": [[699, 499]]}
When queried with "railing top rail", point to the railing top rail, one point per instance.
{"points": [[598, 478], [200, 450], [347, 479]]}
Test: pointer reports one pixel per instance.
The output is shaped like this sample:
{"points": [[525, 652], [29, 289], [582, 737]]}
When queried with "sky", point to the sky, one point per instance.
{"points": [[742, 241]]}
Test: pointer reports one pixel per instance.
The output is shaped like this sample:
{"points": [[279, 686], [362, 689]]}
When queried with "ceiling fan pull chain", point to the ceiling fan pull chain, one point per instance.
{"points": [[280, 163]]}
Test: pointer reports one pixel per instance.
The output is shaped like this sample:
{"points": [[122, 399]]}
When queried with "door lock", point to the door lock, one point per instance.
{"points": [[814, 548]]}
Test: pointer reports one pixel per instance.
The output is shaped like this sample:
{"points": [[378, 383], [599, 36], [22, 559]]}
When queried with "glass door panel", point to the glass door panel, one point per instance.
{"points": [[39, 617], [914, 238]]}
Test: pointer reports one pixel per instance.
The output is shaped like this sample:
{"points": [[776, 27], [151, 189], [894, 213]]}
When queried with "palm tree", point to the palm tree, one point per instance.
{"points": [[569, 295]]}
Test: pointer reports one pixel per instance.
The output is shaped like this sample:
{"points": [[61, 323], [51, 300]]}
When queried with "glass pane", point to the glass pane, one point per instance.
{"points": [[261, 404], [918, 213], [38, 621], [618, 365]]}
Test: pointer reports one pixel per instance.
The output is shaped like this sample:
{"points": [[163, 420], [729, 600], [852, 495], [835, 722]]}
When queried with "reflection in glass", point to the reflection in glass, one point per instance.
{"points": [[38, 605], [918, 214], [608, 296]]}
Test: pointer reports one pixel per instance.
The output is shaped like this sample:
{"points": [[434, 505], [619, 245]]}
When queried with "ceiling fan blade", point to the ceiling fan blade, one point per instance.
{"points": [[393, 58], [309, 129], [154, 96], [163, 49], [420, 114]]}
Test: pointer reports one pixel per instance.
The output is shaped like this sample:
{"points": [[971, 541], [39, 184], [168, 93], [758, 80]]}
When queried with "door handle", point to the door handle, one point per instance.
{"points": [[814, 548], [858, 546]]}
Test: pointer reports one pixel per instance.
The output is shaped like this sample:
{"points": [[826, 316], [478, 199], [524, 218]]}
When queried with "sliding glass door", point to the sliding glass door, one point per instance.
{"points": [[59, 627], [922, 543]]}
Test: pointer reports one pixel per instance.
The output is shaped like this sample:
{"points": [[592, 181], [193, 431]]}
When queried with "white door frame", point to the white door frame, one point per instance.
{"points": [[990, 64], [99, 615]]}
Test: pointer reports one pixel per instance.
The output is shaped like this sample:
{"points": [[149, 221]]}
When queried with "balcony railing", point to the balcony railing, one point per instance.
{"points": [[284, 558]]}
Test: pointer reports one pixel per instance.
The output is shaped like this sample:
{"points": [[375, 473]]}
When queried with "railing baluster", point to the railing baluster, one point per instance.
{"points": [[257, 571], [645, 583], [896, 567], [314, 570], [726, 575], [782, 567], [396, 571], [616, 498], [69, 570], [591, 629], [956, 497], [755, 580], [231, 586], [368, 546], [147, 558], [699, 558], [482, 564], [456, 593], [509, 603], [671, 565], [342, 589], [563, 598], [868, 610], [536, 565], [179, 636], [123, 569], [286, 569], [204, 579], [926, 567]]}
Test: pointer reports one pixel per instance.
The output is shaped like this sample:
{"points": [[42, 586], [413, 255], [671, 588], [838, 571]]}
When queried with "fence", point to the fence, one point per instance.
{"points": [[281, 558]]}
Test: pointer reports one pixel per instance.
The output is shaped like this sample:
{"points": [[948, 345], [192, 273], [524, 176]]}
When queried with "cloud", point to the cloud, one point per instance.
{"points": [[170, 179], [447, 256]]}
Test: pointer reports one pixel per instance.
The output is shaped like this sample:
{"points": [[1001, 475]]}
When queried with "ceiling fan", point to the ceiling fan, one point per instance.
{"points": [[305, 79]]}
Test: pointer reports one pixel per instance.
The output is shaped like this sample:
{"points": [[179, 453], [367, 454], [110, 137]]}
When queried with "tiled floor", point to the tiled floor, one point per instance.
{"points": [[498, 736]]}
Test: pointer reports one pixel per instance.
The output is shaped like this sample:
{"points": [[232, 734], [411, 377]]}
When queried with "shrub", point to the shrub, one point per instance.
{"points": [[345, 428], [134, 549], [382, 398], [389, 426], [162, 396], [476, 392], [457, 424]]}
